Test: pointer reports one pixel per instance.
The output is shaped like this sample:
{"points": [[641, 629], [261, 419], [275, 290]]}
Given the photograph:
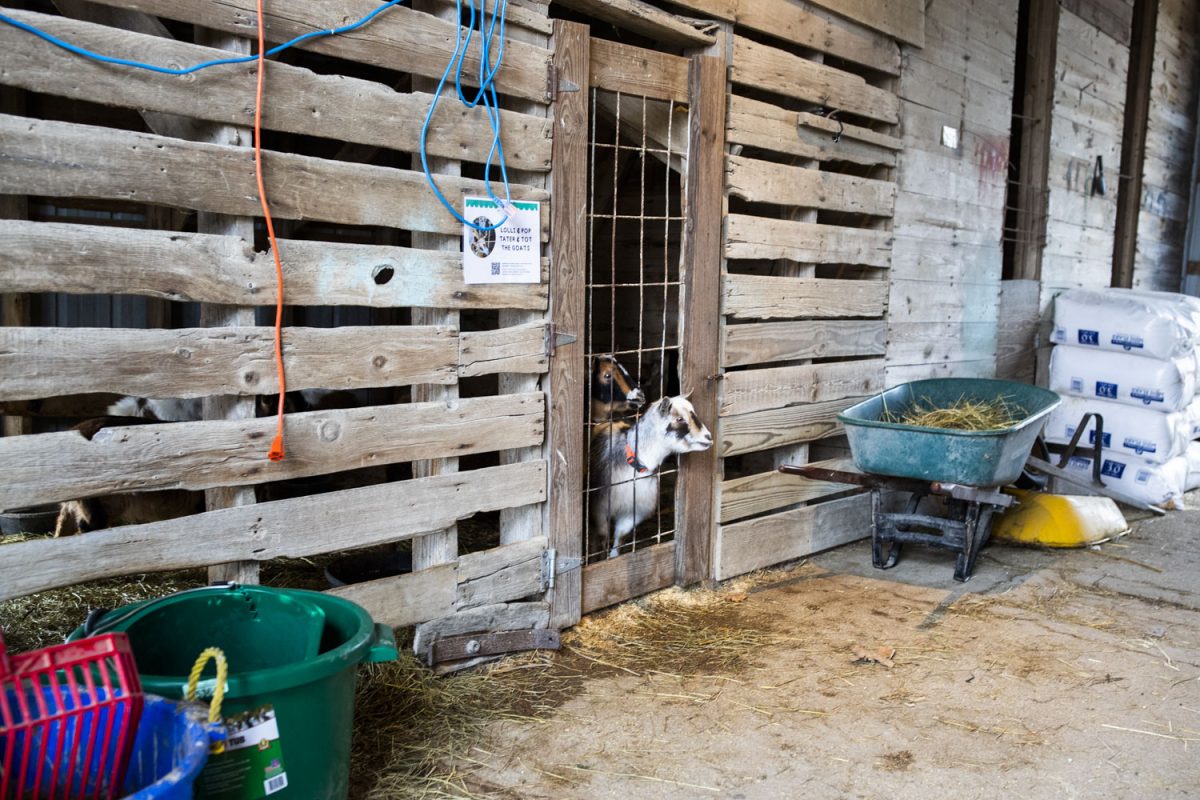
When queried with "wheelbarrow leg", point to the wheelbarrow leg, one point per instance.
{"points": [[880, 534], [978, 526]]}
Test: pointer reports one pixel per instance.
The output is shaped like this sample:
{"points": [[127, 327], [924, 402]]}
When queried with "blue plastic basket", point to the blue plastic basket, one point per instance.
{"points": [[170, 750]]}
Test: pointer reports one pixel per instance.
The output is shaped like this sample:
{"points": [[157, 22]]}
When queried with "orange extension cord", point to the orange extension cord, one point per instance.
{"points": [[276, 452]]}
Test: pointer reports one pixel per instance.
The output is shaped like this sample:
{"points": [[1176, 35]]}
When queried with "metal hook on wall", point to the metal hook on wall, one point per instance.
{"points": [[1099, 186]]}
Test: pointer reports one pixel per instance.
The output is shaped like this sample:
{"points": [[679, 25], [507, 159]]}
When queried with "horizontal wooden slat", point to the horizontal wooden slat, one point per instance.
{"points": [[619, 579], [196, 362], [223, 269], [633, 70], [831, 125], [296, 528], [904, 19], [400, 39], [516, 349], [501, 574], [770, 297], [810, 27], [779, 184], [757, 543], [791, 341], [768, 491], [761, 389], [61, 159], [51, 467], [780, 427], [759, 237], [649, 21], [334, 107], [753, 123], [762, 67]]}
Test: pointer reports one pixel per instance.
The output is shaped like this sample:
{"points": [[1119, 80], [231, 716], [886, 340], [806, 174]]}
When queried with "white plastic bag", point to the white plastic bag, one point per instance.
{"points": [[1151, 435], [1141, 382], [1193, 462], [1160, 484], [1159, 325]]}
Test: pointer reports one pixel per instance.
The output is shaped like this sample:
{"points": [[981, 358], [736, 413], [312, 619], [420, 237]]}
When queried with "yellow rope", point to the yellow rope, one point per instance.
{"points": [[214, 708]]}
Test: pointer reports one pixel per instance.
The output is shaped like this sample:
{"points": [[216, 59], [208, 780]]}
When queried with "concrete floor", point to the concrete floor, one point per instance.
{"points": [[1069, 674]]}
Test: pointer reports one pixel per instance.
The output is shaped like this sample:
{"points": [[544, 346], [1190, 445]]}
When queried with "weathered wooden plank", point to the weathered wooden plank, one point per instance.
{"points": [[780, 427], [1017, 325], [814, 28], [763, 67], [933, 342], [769, 297], [633, 70], [517, 348], [904, 19], [753, 123], [224, 269], [758, 543], [759, 237], [331, 106], [492, 618], [700, 317], [769, 491], [791, 341], [406, 599], [647, 20], [195, 362], [50, 467], [762, 389], [615, 581], [569, 179], [779, 184], [501, 574], [906, 373], [334, 521], [67, 160], [400, 39]]}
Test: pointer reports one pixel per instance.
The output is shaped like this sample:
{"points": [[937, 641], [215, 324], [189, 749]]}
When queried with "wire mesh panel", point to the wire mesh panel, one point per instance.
{"points": [[635, 223]]}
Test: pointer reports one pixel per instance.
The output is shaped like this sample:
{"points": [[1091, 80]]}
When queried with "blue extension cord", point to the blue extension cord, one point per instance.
{"points": [[487, 74]]}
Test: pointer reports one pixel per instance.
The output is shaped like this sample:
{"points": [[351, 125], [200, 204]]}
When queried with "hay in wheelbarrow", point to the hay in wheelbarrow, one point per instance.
{"points": [[962, 415]]}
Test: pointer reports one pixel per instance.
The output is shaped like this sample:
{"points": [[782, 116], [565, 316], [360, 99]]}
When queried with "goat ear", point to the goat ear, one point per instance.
{"points": [[664, 405], [685, 396]]}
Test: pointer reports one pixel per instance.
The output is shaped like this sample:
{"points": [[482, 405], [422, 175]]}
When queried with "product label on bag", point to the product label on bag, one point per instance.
{"points": [[251, 766], [1127, 341], [1089, 337], [1147, 396], [1140, 446], [1112, 469], [1108, 390]]}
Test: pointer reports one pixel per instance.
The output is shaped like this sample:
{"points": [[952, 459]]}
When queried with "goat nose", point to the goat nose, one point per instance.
{"points": [[636, 396]]}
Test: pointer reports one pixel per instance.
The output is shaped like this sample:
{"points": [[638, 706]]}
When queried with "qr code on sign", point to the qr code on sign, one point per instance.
{"points": [[495, 267]]}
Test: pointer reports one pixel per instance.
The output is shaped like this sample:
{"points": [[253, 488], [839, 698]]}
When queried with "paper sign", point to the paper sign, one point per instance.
{"points": [[511, 253]]}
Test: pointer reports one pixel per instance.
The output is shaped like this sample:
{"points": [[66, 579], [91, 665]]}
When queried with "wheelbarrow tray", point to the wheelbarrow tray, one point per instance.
{"points": [[974, 458]]}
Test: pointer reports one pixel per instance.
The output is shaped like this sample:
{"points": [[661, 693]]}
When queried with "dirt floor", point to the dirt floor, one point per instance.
{"points": [[1049, 675]]}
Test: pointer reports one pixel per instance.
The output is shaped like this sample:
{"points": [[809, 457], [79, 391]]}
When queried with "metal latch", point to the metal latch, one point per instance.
{"points": [[556, 338], [459, 648], [553, 565]]}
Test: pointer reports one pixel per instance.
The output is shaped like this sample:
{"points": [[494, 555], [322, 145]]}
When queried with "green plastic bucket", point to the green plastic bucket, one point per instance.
{"points": [[289, 698]]}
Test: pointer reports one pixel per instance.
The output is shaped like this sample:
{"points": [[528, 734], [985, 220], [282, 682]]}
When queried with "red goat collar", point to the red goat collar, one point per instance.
{"points": [[631, 457]]}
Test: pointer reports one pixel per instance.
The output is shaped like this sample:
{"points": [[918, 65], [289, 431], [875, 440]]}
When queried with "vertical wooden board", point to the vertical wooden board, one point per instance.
{"points": [[1016, 340], [700, 318], [568, 222]]}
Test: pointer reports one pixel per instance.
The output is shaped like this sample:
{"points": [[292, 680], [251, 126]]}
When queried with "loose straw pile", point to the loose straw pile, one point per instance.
{"points": [[962, 415]]}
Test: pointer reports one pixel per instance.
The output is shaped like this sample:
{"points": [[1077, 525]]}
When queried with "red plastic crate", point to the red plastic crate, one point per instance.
{"points": [[68, 715]]}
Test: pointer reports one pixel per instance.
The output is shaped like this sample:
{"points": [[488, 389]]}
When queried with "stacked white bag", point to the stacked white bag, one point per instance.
{"points": [[1134, 358]]}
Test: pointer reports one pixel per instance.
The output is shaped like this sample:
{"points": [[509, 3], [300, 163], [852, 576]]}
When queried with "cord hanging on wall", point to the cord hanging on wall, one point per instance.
{"points": [[1099, 186]]}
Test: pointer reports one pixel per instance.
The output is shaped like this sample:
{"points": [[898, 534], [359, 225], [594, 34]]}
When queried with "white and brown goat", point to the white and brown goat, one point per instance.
{"points": [[614, 393], [624, 465]]}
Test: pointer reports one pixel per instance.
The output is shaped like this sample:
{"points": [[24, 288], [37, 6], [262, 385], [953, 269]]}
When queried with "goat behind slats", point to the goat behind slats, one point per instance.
{"points": [[625, 459], [614, 394]]}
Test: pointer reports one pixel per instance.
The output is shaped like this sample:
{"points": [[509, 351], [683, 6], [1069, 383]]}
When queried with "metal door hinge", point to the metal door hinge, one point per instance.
{"points": [[552, 565], [556, 84], [480, 645], [556, 338]]}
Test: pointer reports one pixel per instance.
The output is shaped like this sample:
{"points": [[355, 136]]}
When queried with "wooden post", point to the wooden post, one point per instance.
{"points": [[1032, 197], [700, 317], [214, 315], [568, 268], [440, 547], [1133, 140]]}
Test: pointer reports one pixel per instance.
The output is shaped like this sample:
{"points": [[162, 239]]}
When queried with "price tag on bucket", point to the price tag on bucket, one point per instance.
{"points": [[252, 765]]}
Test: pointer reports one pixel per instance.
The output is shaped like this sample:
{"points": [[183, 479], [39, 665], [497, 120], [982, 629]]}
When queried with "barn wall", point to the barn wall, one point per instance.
{"points": [[449, 420], [947, 253], [1167, 168], [1088, 123]]}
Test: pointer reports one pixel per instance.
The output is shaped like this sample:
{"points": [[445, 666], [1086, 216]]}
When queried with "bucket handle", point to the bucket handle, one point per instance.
{"points": [[383, 645], [98, 622]]}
